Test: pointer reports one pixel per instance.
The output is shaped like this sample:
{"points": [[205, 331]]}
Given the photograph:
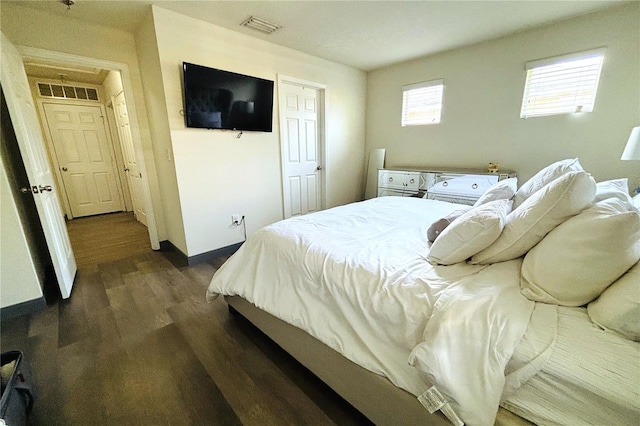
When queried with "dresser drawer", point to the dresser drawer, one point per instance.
{"points": [[399, 180], [462, 185]]}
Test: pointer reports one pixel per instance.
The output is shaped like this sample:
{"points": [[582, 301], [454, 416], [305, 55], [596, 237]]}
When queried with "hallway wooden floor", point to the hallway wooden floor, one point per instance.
{"points": [[103, 238], [136, 344]]}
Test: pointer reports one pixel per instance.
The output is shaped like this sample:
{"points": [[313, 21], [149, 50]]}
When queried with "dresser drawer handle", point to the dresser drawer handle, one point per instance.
{"points": [[412, 181], [474, 186], [445, 183], [390, 179]]}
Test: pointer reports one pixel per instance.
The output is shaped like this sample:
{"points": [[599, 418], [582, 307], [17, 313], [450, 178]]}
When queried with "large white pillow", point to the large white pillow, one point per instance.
{"points": [[618, 307], [583, 256], [617, 188], [636, 201], [473, 231], [545, 176], [547, 208], [502, 190]]}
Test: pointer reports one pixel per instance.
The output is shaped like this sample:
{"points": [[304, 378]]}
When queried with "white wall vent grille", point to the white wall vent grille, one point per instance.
{"points": [[63, 91]]}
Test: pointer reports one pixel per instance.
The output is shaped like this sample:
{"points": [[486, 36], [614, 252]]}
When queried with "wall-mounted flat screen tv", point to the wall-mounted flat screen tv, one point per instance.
{"points": [[217, 99]]}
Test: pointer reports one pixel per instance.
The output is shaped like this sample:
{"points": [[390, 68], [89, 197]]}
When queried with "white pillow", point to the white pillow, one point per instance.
{"points": [[475, 230], [583, 256], [502, 190], [539, 214], [618, 307], [617, 188], [636, 201], [545, 176], [439, 225]]}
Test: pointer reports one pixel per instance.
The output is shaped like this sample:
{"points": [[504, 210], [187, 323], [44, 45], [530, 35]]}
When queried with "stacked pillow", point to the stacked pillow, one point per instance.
{"points": [[502, 190], [538, 214], [471, 232], [580, 258], [580, 241], [440, 225], [545, 176], [618, 307], [616, 188]]}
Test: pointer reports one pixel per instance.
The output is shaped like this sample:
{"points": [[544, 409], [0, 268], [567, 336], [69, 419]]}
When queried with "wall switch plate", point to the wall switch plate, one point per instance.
{"points": [[235, 219]]}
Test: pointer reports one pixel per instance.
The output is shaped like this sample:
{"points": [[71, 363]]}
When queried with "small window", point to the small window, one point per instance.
{"points": [[422, 103], [92, 94], [69, 92], [562, 85]]}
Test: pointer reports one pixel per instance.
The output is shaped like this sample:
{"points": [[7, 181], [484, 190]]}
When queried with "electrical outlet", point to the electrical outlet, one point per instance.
{"points": [[235, 219]]}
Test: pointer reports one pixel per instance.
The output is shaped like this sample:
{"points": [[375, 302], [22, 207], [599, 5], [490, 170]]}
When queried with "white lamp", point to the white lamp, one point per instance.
{"points": [[632, 149]]}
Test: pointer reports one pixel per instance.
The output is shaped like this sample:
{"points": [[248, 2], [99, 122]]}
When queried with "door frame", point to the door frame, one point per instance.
{"points": [[322, 132], [54, 154], [36, 53], [122, 175]]}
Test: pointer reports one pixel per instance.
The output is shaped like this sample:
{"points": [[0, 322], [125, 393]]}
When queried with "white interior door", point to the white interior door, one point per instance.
{"points": [[134, 176], [301, 150], [32, 147], [84, 155]]}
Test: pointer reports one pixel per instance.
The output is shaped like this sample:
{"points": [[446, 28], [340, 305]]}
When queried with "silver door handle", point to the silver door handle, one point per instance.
{"points": [[319, 168], [64, 169], [45, 188], [126, 169], [25, 190]]}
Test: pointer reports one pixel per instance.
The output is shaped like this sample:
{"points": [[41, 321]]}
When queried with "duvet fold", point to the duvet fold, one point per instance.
{"points": [[474, 329]]}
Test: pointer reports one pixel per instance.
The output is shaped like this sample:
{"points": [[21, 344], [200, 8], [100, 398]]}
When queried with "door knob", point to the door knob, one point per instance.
{"points": [[45, 188], [319, 168], [64, 169], [25, 190], [126, 169]]}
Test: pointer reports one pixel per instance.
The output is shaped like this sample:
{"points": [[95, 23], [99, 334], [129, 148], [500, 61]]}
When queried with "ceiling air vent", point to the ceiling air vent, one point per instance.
{"points": [[63, 91], [260, 25]]}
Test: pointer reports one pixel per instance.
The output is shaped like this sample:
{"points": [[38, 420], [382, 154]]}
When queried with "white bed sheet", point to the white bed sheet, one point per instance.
{"points": [[367, 262], [585, 375]]}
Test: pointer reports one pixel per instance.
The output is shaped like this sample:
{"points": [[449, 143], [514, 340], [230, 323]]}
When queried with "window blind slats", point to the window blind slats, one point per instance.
{"points": [[422, 103], [565, 86]]}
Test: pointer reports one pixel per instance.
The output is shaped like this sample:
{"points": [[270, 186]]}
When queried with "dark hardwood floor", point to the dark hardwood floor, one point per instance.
{"points": [[137, 344]]}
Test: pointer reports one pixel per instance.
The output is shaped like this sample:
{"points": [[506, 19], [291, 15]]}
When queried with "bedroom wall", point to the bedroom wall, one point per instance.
{"points": [[28, 27], [483, 93], [219, 175], [148, 56]]}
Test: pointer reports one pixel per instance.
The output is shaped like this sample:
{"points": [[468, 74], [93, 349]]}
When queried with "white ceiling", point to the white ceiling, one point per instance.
{"points": [[362, 34]]}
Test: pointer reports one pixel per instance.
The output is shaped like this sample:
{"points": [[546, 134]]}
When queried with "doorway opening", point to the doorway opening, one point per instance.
{"points": [[94, 149]]}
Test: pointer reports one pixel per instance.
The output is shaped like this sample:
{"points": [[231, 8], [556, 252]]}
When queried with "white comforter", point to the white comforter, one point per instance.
{"points": [[356, 278]]}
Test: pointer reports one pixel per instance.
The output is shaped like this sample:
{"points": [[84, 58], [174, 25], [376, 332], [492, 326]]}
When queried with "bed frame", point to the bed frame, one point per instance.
{"points": [[371, 394]]}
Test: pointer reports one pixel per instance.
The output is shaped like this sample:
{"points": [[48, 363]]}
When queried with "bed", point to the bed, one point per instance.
{"points": [[357, 296]]}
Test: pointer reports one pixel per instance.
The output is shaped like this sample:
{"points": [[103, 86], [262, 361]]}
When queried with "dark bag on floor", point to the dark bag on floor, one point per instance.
{"points": [[17, 397]]}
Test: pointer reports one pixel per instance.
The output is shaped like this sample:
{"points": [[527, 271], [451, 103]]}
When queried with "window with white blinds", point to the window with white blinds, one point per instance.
{"points": [[422, 103], [562, 85]]}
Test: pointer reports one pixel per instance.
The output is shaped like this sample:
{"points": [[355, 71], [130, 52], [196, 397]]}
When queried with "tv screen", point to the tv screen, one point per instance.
{"points": [[217, 99]]}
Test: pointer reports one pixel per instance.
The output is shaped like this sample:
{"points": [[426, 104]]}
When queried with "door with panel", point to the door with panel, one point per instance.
{"points": [[134, 177], [85, 157], [26, 126], [300, 138]]}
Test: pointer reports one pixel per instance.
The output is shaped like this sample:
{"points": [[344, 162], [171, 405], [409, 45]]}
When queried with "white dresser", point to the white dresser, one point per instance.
{"points": [[461, 186]]}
